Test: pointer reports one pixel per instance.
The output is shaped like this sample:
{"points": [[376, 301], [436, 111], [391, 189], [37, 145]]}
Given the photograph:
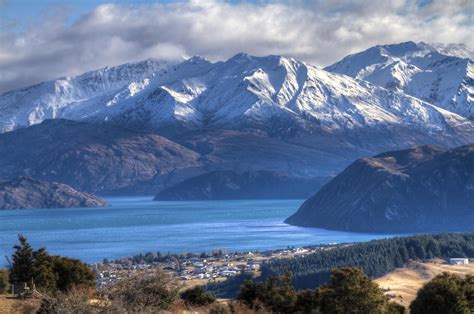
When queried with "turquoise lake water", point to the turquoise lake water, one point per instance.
{"points": [[132, 225]]}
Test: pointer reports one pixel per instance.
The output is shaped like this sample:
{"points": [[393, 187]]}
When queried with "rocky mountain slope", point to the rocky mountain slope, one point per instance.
{"points": [[219, 185], [107, 159], [442, 75], [98, 158], [25, 192], [416, 190]]}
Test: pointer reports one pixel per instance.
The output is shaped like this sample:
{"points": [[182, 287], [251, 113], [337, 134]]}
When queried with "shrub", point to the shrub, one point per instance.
{"points": [[351, 291], [446, 293], [146, 292], [197, 296]]}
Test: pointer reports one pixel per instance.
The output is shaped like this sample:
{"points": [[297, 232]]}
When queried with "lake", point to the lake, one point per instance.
{"points": [[132, 225]]}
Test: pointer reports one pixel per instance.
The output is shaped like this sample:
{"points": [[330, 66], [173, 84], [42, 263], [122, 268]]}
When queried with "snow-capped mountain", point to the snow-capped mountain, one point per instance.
{"points": [[440, 74], [47, 100], [270, 93]]}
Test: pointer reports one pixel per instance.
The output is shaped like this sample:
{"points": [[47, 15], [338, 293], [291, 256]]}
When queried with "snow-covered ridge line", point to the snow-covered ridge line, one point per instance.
{"points": [[440, 74], [272, 93]]}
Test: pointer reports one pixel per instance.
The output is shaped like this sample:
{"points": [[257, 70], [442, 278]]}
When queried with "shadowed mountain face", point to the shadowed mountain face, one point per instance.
{"points": [[25, 192], [221, 185], [105, 159], [95, 158], [416, 190]]}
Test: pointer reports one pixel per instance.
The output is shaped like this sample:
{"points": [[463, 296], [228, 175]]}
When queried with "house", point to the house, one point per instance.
{"points": [[458, 261]]}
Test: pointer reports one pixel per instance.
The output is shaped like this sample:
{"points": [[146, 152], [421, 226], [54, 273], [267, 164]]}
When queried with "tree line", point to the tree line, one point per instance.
{"points": [[376, 258]]}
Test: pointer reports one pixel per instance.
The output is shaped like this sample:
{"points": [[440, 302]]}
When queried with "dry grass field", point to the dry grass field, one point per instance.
{"points": [[10, 305], [403, 283]]}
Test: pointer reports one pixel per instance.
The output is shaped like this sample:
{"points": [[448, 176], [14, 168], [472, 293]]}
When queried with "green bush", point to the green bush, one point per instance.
{"points": [[197, 296], [446, 293], [351, 291]]}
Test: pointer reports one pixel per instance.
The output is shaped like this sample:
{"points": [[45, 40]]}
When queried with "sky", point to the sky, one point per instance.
{"points": [[46, 39]]}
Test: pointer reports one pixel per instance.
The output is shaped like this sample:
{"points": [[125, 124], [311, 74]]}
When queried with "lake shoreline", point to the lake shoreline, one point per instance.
{"points": [[133, 225]]}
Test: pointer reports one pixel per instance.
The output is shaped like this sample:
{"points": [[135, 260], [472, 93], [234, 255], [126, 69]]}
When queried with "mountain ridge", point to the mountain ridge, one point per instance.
{"points": [[274, 94], [442, 75]]}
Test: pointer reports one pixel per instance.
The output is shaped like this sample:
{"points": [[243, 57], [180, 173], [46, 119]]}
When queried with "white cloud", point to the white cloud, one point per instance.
{"points": [[319, 32]]}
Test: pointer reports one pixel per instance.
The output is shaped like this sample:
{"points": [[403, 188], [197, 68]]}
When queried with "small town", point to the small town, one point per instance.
{"points": [[198, 269]]}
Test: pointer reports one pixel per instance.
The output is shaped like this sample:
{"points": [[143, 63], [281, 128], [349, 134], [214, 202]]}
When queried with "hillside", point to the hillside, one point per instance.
{"points": [[95, 158], [219, 185], [422, 189], [24, 192], [376, 258], [402, 284]]}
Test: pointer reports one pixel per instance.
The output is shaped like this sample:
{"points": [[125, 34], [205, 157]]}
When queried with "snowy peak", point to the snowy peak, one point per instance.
{"points": [[47, 100], [275, 94], [437, 73]]}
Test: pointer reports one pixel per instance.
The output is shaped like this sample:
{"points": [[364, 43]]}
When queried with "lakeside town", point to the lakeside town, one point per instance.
{"points": [[197, 269]]}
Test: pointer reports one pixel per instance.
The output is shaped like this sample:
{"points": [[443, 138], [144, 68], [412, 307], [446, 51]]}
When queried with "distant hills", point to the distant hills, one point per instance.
{"points": [[221, 185], [415, 190], [25, 192]]}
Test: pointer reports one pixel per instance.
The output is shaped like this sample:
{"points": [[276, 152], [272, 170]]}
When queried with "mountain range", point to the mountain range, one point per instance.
{"points": [[421, 189], [141, 127], [442, 75]]}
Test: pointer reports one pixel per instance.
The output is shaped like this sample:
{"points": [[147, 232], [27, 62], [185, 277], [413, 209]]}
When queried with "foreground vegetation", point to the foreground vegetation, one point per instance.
{"points": [[67, 286]]}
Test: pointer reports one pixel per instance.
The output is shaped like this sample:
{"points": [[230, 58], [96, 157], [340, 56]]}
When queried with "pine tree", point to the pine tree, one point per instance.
{"points": [[22, 268]]}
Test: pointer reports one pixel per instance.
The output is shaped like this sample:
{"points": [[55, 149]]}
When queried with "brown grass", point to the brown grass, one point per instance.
{"points": [[12, 305], [405, 282]]}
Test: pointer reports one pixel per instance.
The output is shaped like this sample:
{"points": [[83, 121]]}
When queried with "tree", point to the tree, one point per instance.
{"points": [[146, 292], [197, 296], [277, 294], [42, 271], [446, 293], [395, 308], [4, 284], [351, 291], [22, 268], [306, 302], [49, 273], [72, 273]]}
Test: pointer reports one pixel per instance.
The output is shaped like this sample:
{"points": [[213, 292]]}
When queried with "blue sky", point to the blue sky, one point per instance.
{"points": [[24, 10], [46, 39]]}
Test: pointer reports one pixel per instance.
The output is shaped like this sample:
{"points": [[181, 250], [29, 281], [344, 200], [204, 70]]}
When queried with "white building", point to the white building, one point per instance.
{"points": [[458, 261]]}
